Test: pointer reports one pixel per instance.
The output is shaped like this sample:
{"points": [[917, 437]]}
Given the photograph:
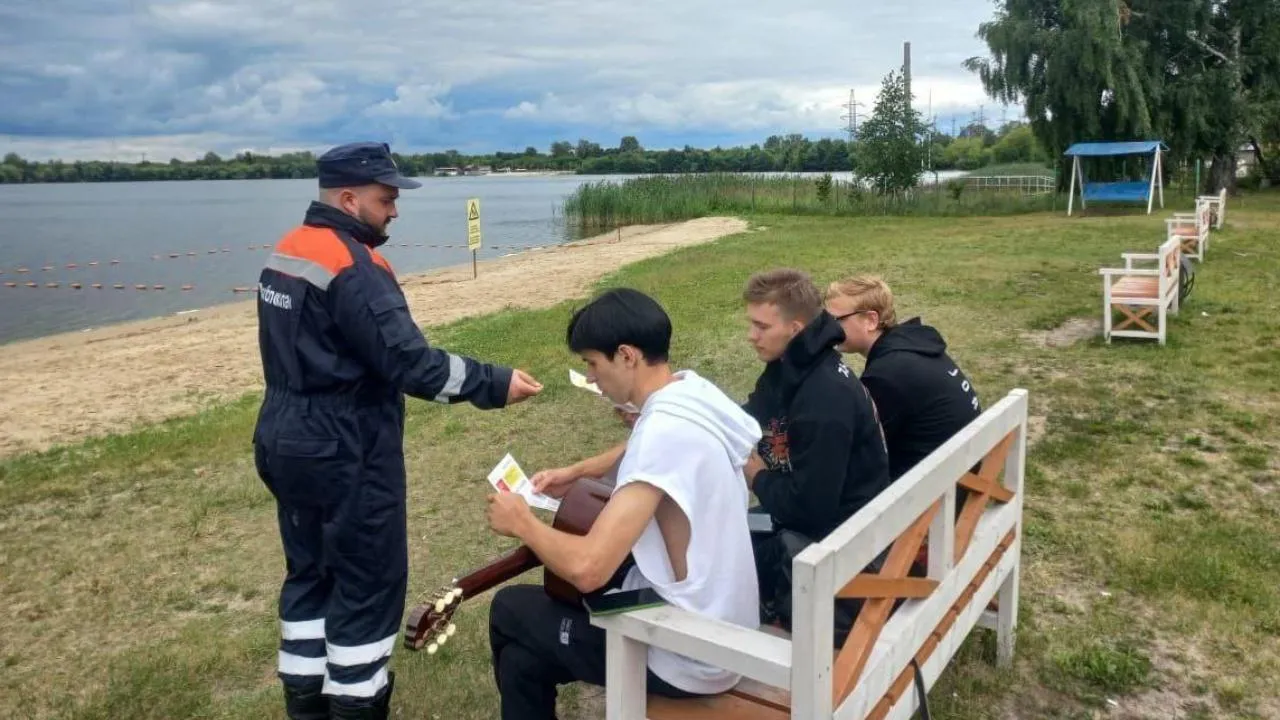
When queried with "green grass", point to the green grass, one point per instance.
{"points": [[655, 199], [139, 572]]}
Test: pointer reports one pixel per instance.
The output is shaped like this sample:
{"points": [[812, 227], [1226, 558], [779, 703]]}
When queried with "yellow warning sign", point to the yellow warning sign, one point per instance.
{"points": [[473, 224]]}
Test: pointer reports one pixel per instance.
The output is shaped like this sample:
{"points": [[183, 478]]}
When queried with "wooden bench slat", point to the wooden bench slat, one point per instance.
{"points": [[716, 706], [871, 585]]}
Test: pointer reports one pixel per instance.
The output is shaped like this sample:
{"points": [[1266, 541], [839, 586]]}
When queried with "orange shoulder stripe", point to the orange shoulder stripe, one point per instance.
{"points": [[377, 258], [319, 245]]}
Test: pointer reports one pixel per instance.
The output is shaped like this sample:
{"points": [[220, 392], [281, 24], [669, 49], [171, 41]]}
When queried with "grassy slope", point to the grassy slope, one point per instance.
{"points": [[139, 572]]}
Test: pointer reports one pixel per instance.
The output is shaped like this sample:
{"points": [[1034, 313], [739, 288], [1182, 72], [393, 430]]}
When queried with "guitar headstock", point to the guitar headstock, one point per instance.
{"points": [[430, 624]]}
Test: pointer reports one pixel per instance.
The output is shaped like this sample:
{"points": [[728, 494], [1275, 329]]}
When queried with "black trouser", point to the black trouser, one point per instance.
{"points": [[337, 474], [539, 643], [774, 553]]}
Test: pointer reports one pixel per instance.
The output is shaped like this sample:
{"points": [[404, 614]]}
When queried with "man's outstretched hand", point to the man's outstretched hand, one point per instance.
{"points": [[522, 387]]}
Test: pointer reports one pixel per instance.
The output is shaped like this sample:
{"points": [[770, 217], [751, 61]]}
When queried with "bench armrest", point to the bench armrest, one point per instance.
{"points": [[1129, 271], [745, 651], [1140, 256]]}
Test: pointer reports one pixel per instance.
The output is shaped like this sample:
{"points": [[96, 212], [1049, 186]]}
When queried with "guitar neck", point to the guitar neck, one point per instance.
{"points": [[497, 572]]}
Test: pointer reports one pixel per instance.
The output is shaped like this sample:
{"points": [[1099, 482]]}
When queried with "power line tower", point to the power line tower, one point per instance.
{"points": [[851, 116]]}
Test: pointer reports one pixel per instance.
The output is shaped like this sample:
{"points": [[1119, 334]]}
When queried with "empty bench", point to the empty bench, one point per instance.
{"points": [[974, 557], [1217, 207], [1192, 229], [1139, 292]]}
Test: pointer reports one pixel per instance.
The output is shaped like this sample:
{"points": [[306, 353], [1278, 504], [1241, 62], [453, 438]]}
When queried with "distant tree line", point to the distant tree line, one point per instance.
{"points": [[973, 147]]}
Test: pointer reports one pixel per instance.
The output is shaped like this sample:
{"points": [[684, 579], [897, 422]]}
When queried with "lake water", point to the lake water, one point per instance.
{"points": [[56, 225]]}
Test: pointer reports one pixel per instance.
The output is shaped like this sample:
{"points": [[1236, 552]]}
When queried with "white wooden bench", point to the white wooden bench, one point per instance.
{"points": [[1217, 207], [973, 558], [1137, 292], [1192, 229]]}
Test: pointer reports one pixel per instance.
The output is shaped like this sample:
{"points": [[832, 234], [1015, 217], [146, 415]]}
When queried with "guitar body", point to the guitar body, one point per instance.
{"points": [[428, 624]]}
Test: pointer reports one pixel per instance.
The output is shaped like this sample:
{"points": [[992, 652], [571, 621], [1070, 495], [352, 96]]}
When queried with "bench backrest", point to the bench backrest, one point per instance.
{"points": [[1170, 266], [966, 555]]}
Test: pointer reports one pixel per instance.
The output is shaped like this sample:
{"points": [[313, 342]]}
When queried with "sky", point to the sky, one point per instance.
{"points": [[128, 79]]}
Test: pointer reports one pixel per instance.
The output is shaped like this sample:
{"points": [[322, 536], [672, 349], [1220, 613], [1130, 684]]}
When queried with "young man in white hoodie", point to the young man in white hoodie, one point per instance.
{"points": [[678, 510]]}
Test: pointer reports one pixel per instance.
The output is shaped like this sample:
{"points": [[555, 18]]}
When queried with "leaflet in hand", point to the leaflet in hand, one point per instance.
{"points": [[508, 477], [580, 380]]}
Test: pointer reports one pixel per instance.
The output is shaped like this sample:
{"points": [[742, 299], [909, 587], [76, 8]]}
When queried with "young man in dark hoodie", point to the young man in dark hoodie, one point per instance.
{"points": [[823, 456], [921, 395]]}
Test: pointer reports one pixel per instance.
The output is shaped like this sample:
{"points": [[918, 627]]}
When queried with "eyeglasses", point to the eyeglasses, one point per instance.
{"points": [[849, 315]]}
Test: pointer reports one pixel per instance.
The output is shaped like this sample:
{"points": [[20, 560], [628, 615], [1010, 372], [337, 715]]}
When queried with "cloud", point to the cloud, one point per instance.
{"points": [[427, 74]]}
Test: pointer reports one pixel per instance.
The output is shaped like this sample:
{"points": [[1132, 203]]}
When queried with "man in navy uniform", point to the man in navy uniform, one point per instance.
{"points": [[339, 353]]}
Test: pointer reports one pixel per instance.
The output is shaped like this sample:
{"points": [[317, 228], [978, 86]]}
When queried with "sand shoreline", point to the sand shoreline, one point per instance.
{"points": [[75, 385]]}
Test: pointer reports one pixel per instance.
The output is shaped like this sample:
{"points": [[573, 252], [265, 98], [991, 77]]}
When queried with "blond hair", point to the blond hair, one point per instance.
{"points": [[868, 292], [791, 290]]}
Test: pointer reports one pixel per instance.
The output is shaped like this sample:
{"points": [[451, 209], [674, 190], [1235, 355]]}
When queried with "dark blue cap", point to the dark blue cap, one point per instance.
{"points": [[361, 163]]}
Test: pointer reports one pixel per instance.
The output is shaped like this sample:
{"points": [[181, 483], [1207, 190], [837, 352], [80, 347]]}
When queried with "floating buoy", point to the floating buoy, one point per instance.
{"points": [[93, 264], [173, 255], [213, 252], [157, 287], [11, 284], [71, 266], [23, 270], [115, 262], [191, 253], [118, 286], [51, 285], [97, 286], [187, 287], [139, 287], [226, 250], [31, 284], [243, 290], [75, 286], [47, 268]]}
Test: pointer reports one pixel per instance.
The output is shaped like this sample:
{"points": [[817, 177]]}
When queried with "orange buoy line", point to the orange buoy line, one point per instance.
{"points": [[54, 285]]}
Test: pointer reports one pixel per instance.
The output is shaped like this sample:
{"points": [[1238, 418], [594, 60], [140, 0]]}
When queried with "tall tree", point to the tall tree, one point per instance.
{"points": [[1200, 74], [889, 151]]}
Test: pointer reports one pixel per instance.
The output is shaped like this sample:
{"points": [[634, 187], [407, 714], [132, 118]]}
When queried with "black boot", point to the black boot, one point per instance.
{"points": [[380, 709], [305, 704]]}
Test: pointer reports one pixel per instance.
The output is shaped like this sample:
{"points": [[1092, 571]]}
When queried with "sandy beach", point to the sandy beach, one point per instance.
{"points": [[73, 386]]}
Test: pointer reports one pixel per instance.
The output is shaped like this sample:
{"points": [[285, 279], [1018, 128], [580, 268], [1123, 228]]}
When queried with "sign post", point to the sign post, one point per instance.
{"points": [[473, 232]]}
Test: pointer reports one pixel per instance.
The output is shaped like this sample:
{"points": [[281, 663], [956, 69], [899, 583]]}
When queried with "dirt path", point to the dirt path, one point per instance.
{"points": [[72, 386]]}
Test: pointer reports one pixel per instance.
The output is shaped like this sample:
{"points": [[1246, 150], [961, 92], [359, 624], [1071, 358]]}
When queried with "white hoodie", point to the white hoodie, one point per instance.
{"points": [[691, 441]]}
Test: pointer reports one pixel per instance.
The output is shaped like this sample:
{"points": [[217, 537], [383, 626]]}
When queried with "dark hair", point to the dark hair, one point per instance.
{"points": [[621, 317]]}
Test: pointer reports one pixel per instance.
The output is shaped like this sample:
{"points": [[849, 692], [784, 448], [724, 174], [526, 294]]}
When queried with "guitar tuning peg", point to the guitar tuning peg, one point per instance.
{"points": [[457, 594], [440, 605], [451, 629], [432, 648], [442, 639]]}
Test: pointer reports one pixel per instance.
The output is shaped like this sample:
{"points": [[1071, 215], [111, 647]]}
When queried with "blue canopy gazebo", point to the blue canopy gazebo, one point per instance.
{"points": [[1120, 191]]}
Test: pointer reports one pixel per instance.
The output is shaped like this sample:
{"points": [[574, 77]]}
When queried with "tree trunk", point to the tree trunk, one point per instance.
{"points": [[1264, 165], [1222, 174]]}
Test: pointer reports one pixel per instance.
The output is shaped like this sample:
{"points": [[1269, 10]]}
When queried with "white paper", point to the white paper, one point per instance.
{"points": [[508, 477], [580, 380]]}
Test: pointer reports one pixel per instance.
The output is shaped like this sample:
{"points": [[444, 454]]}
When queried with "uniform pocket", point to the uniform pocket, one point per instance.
{"points": [[391, 312], [311, 471], [307, 447]]}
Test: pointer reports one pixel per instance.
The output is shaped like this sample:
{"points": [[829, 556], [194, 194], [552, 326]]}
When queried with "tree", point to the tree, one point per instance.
{"points": [[1203, 75], [629, 144], [561, 149], [587, 149], [889, 150]]}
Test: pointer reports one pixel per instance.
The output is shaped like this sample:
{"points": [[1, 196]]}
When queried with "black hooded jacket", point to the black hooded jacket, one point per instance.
{"points": [[922, 397], [823, 449]]}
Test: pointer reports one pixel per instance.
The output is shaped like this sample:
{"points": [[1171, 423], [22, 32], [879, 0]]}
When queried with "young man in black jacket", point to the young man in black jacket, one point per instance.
{"points": [[823, 455], [921, 395]]}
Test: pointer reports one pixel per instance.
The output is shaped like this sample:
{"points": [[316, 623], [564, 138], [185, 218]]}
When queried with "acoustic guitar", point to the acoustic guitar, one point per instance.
{"points": [[430, 624]]}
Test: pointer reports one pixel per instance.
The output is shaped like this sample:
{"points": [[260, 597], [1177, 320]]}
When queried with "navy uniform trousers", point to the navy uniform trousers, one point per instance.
{"points": [[342, 523]]}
